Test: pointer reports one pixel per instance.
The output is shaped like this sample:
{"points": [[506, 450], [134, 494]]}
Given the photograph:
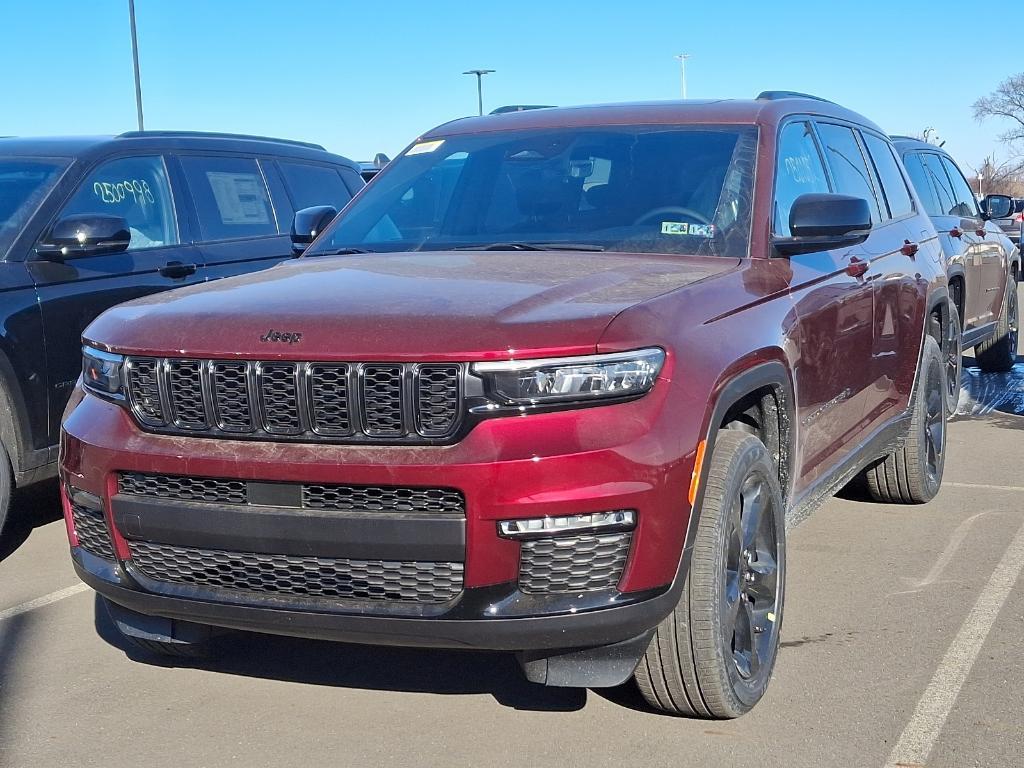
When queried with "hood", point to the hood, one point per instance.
{"points": [[402, 306]]}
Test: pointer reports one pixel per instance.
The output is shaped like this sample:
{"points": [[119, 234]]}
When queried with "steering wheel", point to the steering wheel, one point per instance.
{"points": [[673, 209]]}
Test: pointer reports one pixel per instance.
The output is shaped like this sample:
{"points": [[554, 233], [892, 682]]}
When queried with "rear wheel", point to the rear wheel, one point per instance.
{"points": [[1000, 353], [952, 352], [713, 655], [912, 474]]}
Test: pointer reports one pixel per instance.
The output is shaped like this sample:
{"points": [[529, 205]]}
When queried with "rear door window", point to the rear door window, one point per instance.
{"points": [[921, 180], [940, 181], [310, 185], [799, 171], [231, 197], [966, 205], [136, 189], [893, 185], [849, 171]]}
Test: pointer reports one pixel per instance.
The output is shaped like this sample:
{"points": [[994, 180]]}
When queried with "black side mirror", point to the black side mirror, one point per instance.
{"points": [[820, 222], [308, 223], [997, 206], [86, 234]]}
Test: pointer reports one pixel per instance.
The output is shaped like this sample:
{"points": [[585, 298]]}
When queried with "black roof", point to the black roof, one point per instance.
{"points": [[89, 146], [904, 143]]}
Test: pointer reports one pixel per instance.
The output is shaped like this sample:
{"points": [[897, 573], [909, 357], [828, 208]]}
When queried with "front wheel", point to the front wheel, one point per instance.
{"points": [[713, 655], [952, 352]]}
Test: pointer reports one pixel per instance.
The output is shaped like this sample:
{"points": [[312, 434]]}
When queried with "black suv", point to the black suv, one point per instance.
{"points": [[982, 264], [87, 223]]}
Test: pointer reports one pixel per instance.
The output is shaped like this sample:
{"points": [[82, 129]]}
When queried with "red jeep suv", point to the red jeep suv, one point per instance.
{"points": [[555, 383]]}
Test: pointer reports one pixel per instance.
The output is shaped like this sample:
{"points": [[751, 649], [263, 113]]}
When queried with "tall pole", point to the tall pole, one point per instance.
{"points": [[479, 86], [682, 71], [135, 61]]}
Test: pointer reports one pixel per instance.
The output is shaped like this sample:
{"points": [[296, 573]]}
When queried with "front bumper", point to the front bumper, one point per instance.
{"points": [[564, 463]]}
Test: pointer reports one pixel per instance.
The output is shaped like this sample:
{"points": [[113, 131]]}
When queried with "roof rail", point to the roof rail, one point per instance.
{"points": [[776, 95], [214, 135], [901, 136]]}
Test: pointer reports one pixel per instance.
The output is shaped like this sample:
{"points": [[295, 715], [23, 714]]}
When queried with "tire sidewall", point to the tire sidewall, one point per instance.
{"points": [[752, 457], [933, 374], [6, 485], [953, 392]]}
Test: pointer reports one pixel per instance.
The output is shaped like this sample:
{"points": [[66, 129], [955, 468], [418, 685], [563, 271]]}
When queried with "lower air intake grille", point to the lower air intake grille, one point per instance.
{"points": [[92, 531], [320, 577], [573, 563], [184, 488], [369, 498]]}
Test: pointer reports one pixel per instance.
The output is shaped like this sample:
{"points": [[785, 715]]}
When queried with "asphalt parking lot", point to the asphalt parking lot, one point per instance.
{"points": [[900, 647]]}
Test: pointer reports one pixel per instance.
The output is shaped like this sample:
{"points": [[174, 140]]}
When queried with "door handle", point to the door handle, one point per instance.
{"points": [[176, 269], [857, 267], [909, 249], [956, 232]]}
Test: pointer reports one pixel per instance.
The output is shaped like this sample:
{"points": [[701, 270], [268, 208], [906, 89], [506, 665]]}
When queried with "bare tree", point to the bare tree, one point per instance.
{"points": [[1006, 102]]}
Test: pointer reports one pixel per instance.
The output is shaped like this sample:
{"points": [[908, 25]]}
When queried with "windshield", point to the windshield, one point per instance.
{"points": [[651, 189], [24, 183]]}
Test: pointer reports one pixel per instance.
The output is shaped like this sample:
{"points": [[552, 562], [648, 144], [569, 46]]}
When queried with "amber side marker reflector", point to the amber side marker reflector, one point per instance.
{"points": [[698, 462]]}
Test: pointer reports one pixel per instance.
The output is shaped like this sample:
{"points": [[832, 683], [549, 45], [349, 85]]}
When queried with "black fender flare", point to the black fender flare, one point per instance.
{"points": [[770, 373]]}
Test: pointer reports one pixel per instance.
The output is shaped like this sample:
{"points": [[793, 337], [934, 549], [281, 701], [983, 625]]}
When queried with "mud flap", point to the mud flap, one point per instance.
{"points": [[157, 628], [603, 667]]}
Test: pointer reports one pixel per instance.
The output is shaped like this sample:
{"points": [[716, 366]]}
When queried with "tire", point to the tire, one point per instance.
{"points": [[997, 355], [952, 352], [6, 485], [695, 664], [912, 474]]}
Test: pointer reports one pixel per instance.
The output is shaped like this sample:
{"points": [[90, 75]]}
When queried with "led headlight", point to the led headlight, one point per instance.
{"points": [[102, 372], [572, 379]]}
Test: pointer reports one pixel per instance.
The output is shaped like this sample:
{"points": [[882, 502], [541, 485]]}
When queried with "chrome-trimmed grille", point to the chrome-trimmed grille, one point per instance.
{"points": [[319, 401], [573, 563], [206, 489], [312, 577], [91, 530]]}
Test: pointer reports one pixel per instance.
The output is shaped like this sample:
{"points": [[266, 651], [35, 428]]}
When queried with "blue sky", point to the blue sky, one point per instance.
{"points": [[364, 77]]}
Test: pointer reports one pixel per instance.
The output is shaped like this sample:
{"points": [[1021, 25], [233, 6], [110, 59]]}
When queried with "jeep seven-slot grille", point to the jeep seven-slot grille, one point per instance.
{"points": [[331, 402]]}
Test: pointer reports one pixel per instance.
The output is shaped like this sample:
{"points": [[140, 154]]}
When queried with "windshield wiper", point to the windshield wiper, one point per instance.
{"points": [[339, 252], [524, 246]]}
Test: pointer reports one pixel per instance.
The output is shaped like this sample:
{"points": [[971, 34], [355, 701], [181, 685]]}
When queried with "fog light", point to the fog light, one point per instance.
{"points": [[597, 522]]}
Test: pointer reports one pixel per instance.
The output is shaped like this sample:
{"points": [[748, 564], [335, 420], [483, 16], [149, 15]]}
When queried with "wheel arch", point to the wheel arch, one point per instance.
{"points": [[734, 392], [13, 421]]}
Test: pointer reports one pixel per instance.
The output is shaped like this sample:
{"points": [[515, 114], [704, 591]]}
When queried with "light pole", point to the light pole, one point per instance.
{"points": [[682, 70], [479, 86], [135, 61]]}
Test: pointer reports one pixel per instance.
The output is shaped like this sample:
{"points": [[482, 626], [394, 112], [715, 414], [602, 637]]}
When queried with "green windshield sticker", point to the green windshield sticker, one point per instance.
{"points": [[674, 228]]}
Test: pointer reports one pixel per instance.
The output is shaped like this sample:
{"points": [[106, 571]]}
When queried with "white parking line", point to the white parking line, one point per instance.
{"points": [[39, 602], [983, 486], [944, 559], [933, 709]]}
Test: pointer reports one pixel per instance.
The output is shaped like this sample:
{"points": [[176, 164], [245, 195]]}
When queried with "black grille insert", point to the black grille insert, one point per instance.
{"points": [[313, 577], [91, 530], [361, 498], [219, 491], [573, 563]]}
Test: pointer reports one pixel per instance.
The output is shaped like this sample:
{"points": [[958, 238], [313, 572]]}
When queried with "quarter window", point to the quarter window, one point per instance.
{"points": [[231, 197], [311, 185], [136, 189], [844, 158], [893, 185], [966, 205], [799, 171]]}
